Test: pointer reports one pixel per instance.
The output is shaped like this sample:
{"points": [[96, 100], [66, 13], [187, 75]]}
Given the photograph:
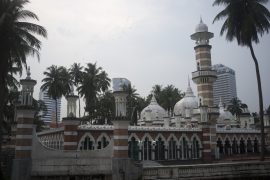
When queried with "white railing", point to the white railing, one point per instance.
{"points": [[95, 127], [204, 73], [136, 128], [237, 130]]}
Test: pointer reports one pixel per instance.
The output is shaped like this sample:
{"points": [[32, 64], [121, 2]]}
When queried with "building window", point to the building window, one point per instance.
{"points": [[160, 150], [87, 144], [220, 146], [227, 147], [195, 150], [133, 149], [103, 142], [249, 146], [172, 149], [242, 146], [147, 149], [185, 148], [234, 147]]}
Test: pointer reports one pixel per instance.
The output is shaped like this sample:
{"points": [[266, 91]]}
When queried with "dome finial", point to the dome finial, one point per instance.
{"points": [[28, 73], [221, 103], [188, 81], [153, 99], [201, 21]]}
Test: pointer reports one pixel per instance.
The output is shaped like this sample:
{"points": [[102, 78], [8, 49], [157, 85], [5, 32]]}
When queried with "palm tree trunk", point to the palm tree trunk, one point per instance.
{"points": [[3, 75], [260, 101], [79, 107], [56, 115]]}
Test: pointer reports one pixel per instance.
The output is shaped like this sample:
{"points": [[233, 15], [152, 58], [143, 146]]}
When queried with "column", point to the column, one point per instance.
{"points": [[70, 133], [120, 138], [23, 144]]}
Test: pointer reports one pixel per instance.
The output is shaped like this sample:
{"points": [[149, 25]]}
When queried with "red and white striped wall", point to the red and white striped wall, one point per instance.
{"points": [[120, 138], [24, 134]]}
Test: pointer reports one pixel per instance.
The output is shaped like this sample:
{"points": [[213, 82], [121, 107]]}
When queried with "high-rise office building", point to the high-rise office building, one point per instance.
{"points": [[50, 104], [225, 85]]}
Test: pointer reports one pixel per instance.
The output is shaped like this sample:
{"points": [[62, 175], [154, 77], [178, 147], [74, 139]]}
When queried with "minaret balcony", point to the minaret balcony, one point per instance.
{"points": [[204, 75]]}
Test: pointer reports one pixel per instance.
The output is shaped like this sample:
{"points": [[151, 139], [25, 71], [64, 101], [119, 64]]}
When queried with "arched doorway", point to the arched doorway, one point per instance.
{"points": [[133, 149], [159, 150]]}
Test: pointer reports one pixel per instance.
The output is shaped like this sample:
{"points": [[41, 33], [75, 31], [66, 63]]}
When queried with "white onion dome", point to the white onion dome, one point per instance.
{"points": [[189, 101], [201, 27], [223, 113], [153, 112]]}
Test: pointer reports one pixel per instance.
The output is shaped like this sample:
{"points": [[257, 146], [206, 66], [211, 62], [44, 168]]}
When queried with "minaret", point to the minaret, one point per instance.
{"points": [[204, 76], [21, 166]]}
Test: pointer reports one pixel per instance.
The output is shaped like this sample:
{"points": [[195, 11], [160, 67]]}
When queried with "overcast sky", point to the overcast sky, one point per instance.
{"points": [[145, 41]]}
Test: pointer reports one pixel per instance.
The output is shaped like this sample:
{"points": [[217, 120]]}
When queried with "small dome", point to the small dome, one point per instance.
{"points": [[188, 102], [153, 113], [201, 27]]}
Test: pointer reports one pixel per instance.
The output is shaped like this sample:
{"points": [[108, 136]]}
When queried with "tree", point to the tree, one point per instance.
{"points": [[17, 41], [235, 107], [57, 83], [245, 20], [167, 97], [94, 81], [133, 100], [268, 112], [105, 107], [40, 110], [76, 75]]}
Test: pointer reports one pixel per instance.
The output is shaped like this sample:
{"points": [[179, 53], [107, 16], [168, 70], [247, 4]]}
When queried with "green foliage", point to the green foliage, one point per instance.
{"points": [[76, 75], [57, 82], [135, 103], [167, 97], [40, 110], [244, 21], [94, 82], [235, 107], [105, 108]]}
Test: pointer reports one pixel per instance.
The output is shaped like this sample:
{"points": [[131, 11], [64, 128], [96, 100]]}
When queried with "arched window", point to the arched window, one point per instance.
{"points": [[242, 146], [160, 150], [195, 150], [133, 149], [87, 144], [227, 147], [249, 146], [234, 147], [102, 142], [220, 146], [256, 147], [172, 149], [147, 149], [185, 148]]}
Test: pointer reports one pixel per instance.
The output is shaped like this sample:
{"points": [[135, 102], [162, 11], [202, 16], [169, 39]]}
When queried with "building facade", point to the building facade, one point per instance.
{"points": [[225, 85], [196, 132], [50, 115]]}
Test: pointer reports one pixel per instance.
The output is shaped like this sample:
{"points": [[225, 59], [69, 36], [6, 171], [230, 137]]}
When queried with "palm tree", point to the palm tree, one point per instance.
{"points": [[57, 83], [132, 102], [94, 81], [17, 41], [245, 20], [76, 75], [167, 97], [235, 107]]}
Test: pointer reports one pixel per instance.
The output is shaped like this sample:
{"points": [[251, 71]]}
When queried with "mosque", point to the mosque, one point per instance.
{"points": [[195, 132]]}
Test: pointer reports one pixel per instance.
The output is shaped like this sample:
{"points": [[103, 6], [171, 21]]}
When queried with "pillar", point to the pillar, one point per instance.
{"points": [[123, 167], [70, 133], [120, 138]]}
